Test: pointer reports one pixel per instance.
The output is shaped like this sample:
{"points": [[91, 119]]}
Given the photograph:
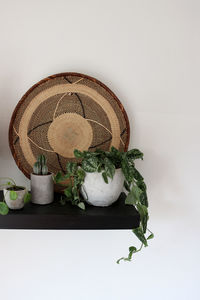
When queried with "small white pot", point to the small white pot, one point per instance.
{"points": [[42, 189], [15, 204], [98, 193]]}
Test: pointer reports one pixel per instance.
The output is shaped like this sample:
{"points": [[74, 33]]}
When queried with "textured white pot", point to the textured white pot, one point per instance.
{"points": [[15, 204], [42, 189], [98, 193]]}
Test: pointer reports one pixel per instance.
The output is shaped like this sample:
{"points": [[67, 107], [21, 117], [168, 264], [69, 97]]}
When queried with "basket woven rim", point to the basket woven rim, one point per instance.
{"points": [[46, 80]]}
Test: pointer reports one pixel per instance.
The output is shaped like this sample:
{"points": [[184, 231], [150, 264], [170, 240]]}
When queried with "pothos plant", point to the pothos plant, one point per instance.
{"points": [[106, 162], [10, 186]]}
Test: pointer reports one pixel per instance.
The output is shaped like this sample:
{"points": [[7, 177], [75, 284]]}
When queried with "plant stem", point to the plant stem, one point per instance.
{"points": [[150, 231], [139, 248], [70, 180], [5, 178]]}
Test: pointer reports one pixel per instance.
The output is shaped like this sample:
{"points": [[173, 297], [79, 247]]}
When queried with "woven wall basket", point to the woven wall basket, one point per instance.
{"points": [[64, 112]]}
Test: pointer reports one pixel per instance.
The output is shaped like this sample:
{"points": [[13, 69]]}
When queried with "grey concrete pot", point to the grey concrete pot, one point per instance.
{"points": [[42, 189], [98, 193], [15, 204]]}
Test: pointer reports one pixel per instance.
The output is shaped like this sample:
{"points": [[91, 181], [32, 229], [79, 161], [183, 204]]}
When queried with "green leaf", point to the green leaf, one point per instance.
{"points": [[90, 165], [68, 192], [3, 208], [13, 195], [143, 196], [72, 167], [67, 176], [58, 177], [135, 154], [142, 185], [81, 175], [27, 198], [109, 168], [115, 155], [127, 186], [143, 211], [134, 196], [140, 235], [130, 199], [131, 251], [100, 168], [136, 192], [151, 236], [76, 181], [75, 193], [78, 154], [137, 175], [125, 169], [81, 205], [144, 199], [114, 150], [105, 178]]}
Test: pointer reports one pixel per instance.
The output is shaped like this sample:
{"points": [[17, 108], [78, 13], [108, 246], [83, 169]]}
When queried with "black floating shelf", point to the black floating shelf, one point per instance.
{"points": [[56, 216]]}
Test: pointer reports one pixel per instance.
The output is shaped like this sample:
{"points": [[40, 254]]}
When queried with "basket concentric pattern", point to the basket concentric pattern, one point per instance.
{"points": [[63, 112]]}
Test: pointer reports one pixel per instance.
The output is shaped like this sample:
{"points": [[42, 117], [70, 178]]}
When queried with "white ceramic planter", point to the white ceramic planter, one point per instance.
{"points": [[15, 204], [98, 193], [42, 189]]}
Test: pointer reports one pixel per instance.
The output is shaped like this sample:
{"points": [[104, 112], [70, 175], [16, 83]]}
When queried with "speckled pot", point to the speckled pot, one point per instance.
{"points": [[42, 189], [15, 204], [98, 193]]}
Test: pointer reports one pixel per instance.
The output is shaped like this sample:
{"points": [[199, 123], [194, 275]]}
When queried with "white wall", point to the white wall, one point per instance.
{"points": [[147, 52]]}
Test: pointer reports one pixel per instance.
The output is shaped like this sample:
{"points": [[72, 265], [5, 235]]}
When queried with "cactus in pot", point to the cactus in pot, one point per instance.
{"points": [[40, 167], [42, 189]]}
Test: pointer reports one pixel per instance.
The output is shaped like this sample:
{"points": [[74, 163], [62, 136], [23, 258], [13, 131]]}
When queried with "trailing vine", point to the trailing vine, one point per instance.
{"points": [[106, 162]]}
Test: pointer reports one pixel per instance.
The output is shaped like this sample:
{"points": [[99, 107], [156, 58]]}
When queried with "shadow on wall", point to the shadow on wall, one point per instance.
{"points": [[165, 189]]}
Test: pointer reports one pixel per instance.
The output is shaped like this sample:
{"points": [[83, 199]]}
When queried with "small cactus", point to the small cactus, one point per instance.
{"points": [[37, 168], [42, 159], [40, 167], [44, 170]]}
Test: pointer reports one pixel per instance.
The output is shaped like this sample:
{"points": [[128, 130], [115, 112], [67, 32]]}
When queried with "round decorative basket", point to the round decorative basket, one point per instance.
{"points": [[64, 112]]}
